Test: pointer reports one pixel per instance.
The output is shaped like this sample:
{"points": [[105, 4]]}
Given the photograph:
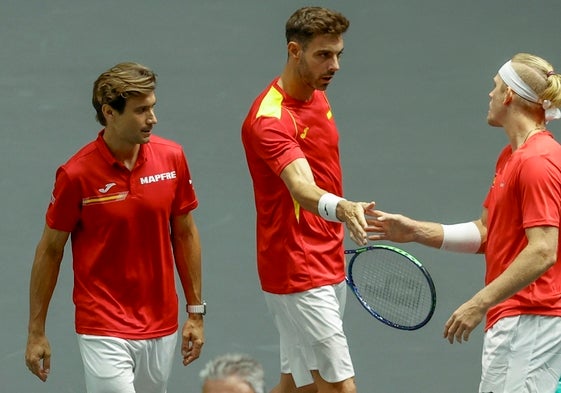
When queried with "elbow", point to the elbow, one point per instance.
{"points": [[550, 261], [49, 254], [548, 256]]}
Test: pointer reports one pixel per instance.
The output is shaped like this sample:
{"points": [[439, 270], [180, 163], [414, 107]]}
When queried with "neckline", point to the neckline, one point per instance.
{"points": [[531, 132]]}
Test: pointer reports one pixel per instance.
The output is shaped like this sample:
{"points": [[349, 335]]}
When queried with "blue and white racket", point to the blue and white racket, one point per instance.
{"points": [[392, 285]]}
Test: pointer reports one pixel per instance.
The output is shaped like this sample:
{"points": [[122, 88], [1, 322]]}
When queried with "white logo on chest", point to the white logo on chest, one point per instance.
{"points": [[107, 187], [158, 177]]}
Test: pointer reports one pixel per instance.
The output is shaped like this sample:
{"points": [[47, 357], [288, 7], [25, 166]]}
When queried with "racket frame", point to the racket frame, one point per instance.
{"points": [[349, 279]]}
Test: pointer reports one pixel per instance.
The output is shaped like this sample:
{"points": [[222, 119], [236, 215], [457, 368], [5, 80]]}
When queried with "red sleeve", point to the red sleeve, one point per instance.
{"points": [[275, 143], [540, 192], [185, 197], [66, 203]]}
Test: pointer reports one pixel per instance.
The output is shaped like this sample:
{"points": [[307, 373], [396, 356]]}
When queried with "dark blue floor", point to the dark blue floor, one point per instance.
{"points": [[410, 101]]}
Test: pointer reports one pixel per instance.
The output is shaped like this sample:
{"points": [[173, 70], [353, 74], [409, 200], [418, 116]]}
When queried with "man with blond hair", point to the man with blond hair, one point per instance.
{"points": [[518, 232]]}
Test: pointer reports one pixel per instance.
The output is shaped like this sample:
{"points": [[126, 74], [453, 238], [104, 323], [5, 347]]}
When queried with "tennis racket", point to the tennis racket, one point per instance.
{"points": [[392, 285]]}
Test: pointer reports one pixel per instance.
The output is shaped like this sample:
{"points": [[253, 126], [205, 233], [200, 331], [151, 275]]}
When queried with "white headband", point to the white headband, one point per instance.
{"points": [[512, 80]]}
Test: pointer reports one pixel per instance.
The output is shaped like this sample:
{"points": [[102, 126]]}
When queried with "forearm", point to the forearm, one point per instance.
{"points": [[187, 253], [426, 233], [299, 180], [401, 229], [534, 260], [468, 237], [524, 270], [44, 275], [307, 195], [329, 206], [465, 237]]}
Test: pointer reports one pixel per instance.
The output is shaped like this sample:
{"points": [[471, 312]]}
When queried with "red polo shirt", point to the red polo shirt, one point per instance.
{"points": [[296, 249], [124, 284]]}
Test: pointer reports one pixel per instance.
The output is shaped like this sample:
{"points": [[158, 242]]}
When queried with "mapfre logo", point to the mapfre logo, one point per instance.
{"points": [[158, 177]]}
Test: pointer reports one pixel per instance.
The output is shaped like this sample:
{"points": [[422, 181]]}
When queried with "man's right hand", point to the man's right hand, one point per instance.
{"points": [[353, 215], [394, 227]]}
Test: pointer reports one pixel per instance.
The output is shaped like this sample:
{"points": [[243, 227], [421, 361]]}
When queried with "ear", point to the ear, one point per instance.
{"points": [[108, 111], [509, 95], [294, 50]]}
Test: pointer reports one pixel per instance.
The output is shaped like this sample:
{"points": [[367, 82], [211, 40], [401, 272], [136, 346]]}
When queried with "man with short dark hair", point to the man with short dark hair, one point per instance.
{"points": [[291, 143], [127, 200]]}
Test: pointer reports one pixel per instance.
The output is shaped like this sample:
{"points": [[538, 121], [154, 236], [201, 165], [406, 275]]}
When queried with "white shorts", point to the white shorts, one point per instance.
{"points": [[115, 365], [311, 333], [522, 354]]}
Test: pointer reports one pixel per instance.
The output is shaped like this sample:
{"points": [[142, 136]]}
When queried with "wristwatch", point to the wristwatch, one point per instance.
{"points": [[197, 308]]}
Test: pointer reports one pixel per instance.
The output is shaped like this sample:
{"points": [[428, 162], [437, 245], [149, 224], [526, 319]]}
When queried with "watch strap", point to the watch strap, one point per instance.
{"points": [[197, 308]]}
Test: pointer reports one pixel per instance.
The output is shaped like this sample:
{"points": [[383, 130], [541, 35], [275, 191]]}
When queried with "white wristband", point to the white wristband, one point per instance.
{"points": [[464, 237], [327, 206]]}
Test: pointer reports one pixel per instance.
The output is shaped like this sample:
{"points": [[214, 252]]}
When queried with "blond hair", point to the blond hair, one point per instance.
{"points": [[540, 76]]}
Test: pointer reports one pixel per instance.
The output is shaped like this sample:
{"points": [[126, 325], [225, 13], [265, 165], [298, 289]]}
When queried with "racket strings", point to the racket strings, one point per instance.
{"points": [[394, 287]]}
